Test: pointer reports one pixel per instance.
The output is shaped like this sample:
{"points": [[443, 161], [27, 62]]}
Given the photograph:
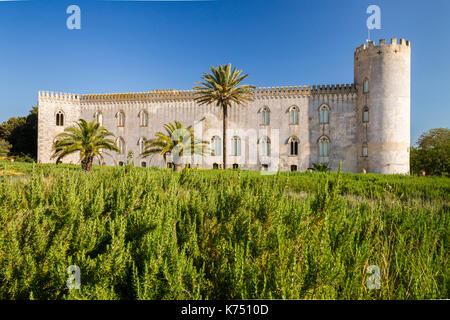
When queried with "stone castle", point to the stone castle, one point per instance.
{"points": [[365, 124]]}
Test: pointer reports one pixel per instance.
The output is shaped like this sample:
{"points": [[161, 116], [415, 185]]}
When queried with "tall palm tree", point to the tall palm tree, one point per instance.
{"points": [[178, 141], [88, 138], [221, 87]]}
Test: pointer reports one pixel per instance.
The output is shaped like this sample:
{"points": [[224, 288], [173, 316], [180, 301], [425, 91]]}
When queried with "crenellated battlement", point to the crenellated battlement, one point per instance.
{"points": [[171, 94], [394, 46]]}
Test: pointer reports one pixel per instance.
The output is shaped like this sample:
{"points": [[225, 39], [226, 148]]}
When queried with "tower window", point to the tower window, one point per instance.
{"points": [[293, 115], [366, 86], [365, 150], [98, 116], [265, 116], [323, 111], [366, 115], [324, 146], [293, 146], [141, 144], [59, 118]]}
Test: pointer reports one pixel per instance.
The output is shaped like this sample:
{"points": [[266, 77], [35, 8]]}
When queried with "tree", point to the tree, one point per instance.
{"points": [[177, 141], [5, 146], [21, 133], [432, 153], [221, 87], [88, 138], [321, 167]]}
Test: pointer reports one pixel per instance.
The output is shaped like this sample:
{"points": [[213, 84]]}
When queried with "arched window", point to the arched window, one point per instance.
{"points": [[366, 86], [216, 146], [143, 117], [324, 146], [98, 117], [265, 116], [120, 119], [141, 144], [293, 115], [293, 146], [264, 146], [365, 118], [365, 150], [143, 164], [293, 167], [121, 145], [215, 166], [236, 146], [323, 111], [59, 118]]}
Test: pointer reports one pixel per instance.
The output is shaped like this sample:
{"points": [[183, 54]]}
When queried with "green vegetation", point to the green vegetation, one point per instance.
{"points": [[140, 233], [432, 153], [178, 141], [221, 87], [88, 139]]}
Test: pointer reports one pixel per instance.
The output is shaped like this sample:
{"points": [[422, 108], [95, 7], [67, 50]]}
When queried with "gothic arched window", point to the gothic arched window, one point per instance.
{"points": [[120, 119], [143, 117], [293, 146], [236, 146], [264, 146], [324, 146], [324, 111], [98, 116], [121, 145], [293, 115], [265, 116], [60, 118], [216, 146], [141, 144]]}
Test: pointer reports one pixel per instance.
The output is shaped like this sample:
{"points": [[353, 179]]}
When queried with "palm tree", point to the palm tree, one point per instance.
{"points": [[178, 141], [87, 138], [221, 87]]}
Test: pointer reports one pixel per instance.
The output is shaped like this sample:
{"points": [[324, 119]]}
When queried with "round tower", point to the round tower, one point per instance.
{"points": [[382, 78]]}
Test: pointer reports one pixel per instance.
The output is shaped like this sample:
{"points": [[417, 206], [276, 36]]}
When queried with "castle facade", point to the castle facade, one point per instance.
{"points": [[365, 124]]}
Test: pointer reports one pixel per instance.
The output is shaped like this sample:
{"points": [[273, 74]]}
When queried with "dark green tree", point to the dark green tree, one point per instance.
{"points": [[432, 153]]}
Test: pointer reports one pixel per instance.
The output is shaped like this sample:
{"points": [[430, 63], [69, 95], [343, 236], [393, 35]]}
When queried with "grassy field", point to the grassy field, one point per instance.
{"points": [[139, 233]]}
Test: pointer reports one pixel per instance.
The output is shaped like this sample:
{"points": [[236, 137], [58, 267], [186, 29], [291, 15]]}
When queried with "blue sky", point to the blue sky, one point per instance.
{"points": [[140, 46]]}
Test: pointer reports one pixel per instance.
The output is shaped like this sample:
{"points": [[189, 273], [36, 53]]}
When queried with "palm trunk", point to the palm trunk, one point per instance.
{"points": [[224, 141], [86, 164]]}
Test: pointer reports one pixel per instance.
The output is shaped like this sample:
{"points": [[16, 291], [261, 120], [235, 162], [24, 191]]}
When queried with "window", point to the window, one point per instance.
{"points": [[59, 118], [143, 164], [265, 116], [366, 86], [215, 166], [121, 145], [141, 144], [366, 115], [216, 146], [120, 119], [121, 163], [169, 165], [143, 116], [98, 116], [265, 167], [236, 146], [324, 144], [293, 146], [365, 150], [235, 166], [264, 146], [323, 114], [293, 115], [293, 167]]}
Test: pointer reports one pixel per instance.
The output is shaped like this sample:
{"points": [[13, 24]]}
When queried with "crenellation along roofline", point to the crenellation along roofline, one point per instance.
{"points": [[190, 94]]}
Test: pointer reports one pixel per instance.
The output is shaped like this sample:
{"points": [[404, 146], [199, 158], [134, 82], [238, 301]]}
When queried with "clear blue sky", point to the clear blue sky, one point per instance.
{"points": [[140, 46]]}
